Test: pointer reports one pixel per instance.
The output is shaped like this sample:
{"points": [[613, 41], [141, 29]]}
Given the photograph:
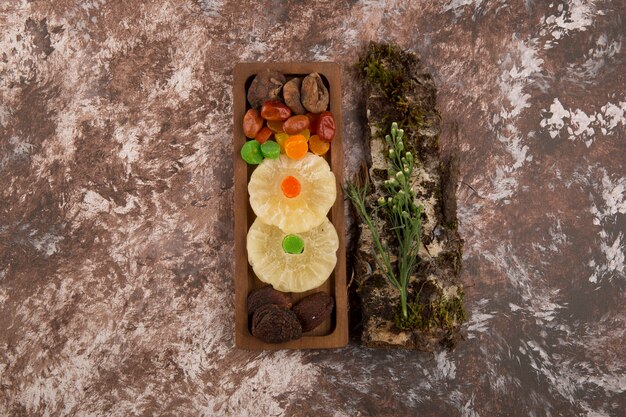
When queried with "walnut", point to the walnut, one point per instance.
{"points": [[314, 310], [265, 86], [267, 295], [291, 94], [314, 94], [275, 324]]}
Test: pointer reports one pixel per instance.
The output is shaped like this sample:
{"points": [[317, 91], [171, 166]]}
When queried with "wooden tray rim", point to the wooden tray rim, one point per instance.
{"points": [[338, 337]]}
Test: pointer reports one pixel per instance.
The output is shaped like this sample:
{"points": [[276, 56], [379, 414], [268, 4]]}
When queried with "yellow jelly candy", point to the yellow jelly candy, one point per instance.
{"points": [[318, 147]]}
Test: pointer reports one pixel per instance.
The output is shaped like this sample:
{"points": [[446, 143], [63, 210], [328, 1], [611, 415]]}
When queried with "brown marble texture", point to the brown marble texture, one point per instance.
{"points": [[116, 292]]}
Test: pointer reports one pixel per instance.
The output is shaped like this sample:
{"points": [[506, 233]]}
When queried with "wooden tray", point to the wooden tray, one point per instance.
{"points": [[334, 332]]}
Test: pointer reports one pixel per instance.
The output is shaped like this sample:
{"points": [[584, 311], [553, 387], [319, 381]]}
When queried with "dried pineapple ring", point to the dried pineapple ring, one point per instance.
{"points": [[293, 214], [288, 272]]}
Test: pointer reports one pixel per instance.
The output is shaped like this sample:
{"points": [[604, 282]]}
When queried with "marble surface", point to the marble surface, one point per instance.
{"points": [[116, 293]]}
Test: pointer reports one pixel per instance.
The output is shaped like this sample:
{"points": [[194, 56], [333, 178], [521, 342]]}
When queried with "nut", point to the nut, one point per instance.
{"points": [[275, 324], [314, 94], [265, 86], [291, 94], [267, 295], [314, 310]]}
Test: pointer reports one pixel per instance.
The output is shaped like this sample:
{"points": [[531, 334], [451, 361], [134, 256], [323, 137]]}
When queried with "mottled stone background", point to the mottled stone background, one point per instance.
{"points": [[116, 292]]}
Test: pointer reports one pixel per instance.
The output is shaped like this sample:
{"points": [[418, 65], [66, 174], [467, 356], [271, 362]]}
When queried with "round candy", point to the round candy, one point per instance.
{"points": [[251, 152], [293, 244], [317, 146], [296, 147], [280, 139], [270, 149], [290, 186]]}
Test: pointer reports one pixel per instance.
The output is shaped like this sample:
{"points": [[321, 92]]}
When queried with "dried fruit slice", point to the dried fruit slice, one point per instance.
{"points": [[296, 147], [251, 152], [317, 146], [289, 272], [270, 149], [280, 139], [318, 191]]}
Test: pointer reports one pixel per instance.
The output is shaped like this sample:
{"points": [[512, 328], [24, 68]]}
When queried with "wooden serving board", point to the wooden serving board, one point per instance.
{"points": [[334, 332]]}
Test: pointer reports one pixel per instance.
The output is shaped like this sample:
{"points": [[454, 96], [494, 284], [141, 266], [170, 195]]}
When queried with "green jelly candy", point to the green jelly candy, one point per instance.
{"points": [[293, 244], [270, 149], [251, 152]]}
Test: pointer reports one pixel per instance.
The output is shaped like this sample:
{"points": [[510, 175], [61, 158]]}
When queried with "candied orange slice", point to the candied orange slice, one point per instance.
{"points": [[296, 147], [318, 147]]}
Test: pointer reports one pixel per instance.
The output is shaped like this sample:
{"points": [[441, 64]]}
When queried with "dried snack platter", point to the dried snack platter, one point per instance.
{"points": [[334, 332]]}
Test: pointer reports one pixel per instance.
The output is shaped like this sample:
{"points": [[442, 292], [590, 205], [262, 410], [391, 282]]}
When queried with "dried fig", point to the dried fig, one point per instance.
{"points": [[275, 324], [314, 94], [265, 86], [291, 94], [314, 310], [267, 295]]}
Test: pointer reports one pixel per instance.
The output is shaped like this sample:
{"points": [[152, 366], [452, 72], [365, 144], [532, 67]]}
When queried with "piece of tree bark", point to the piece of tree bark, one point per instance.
{"points": [[398, 89]]}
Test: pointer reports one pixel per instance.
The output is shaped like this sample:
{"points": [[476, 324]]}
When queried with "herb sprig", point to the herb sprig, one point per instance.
{"points": [[401, 212]]}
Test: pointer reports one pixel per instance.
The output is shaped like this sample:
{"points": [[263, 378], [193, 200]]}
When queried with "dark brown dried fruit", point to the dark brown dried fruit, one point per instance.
{"points": [[267, 295], [314, 310], [291, 94], [275, 324], [275, 111], [252, 123], [314, 94], [265, 86], [296, 124]]}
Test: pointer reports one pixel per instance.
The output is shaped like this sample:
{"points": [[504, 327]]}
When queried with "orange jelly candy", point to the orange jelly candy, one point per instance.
{"points": [[318, 147], [296, 147], [290, 186]]}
